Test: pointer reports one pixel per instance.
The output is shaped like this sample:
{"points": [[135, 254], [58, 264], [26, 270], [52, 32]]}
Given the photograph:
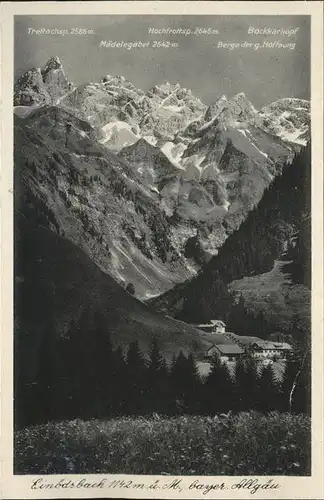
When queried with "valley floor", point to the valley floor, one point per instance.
{"points": [[244, 444]]}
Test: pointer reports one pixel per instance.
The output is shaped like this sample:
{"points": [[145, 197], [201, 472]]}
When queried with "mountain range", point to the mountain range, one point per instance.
{"points": [[148, 184]]}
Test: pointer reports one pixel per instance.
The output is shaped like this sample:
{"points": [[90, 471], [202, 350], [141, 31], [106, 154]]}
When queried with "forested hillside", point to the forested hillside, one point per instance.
{"points": [[279, 224], [59, 294]]}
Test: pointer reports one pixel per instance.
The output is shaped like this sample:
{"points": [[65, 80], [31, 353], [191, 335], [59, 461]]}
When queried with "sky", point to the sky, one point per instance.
{"points": [[198, 62]]}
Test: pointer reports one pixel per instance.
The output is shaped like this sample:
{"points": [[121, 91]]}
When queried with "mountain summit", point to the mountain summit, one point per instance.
{"points": [[52, 64], [42, 85]]}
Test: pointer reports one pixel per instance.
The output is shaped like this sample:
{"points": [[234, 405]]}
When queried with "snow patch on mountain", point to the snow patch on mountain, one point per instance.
{"points": [[118, 134], [173, 152], [192, 165], [298, 136], [24, 111], [150, 139], [248, 136]]}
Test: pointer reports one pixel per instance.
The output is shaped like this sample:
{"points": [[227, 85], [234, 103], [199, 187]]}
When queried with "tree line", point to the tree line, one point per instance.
{"points": [[95, 380]]}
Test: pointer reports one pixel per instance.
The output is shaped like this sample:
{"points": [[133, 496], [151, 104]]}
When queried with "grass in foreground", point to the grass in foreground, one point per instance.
{"points": [[247, 443]]}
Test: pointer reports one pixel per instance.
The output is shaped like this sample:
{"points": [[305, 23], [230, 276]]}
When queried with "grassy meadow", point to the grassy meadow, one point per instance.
{"points": [[248, 443]]}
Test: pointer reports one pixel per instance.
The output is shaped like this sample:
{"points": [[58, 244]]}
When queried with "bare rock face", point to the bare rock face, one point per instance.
{"points": [[55, 79], [173, 108], [111, 99], [287, 118], [30, 89], [151, 164], [42, 86], [183, 169], [215, 108], [70, 183], [114, 102]]}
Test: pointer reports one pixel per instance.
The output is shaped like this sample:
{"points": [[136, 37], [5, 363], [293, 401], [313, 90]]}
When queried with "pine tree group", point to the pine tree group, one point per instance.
{"points": [[95, 380]]}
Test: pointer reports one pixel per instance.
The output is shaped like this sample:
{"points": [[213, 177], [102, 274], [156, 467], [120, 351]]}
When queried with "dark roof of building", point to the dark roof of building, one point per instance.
{"points": [[267, 345], [229, 349], [264, 344], [260, 343], [282, 345], [217, 338], [245, 340]]}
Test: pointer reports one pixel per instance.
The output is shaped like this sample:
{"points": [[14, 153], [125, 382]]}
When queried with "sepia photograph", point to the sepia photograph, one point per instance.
{"points": [[162, 250]]}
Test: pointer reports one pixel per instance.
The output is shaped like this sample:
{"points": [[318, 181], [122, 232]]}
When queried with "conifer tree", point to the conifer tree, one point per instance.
{"points": [[262, 328], [172, 405], [193, 386], [119, 383], [185, 384], [82, 369], [246, 384], [45, 385], [178, 382], [240, 386], [87, 351], [268, 397], [251, 387], [235, 315], [45, 393], [102, 355], [218, 389], [137, 380], [157, 380], [165, 389], [69, 362]]}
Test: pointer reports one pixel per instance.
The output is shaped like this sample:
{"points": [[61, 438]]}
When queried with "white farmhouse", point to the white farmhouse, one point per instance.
{"points": [[214, 326]]}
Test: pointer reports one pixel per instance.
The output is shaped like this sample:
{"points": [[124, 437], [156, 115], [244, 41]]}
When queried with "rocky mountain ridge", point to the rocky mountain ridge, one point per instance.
{"points": [[157, 177], [162, 113], [42, 86], [67, 181]]}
